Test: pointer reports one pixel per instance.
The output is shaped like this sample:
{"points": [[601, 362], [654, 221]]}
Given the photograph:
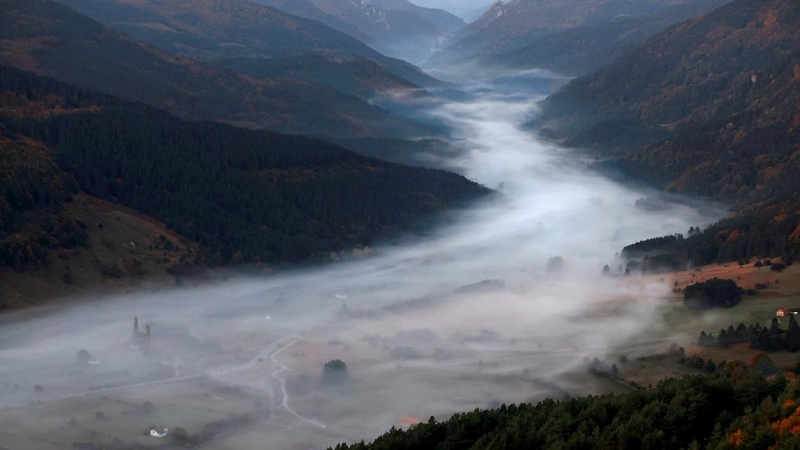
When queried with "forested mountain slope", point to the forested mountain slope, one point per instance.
{"points": [[49, 38], [511, 25], [30, 183], [214, 29], [584, 49], [351, 74], [243, 195], [395, 27], [709, 108], [55, 241]]}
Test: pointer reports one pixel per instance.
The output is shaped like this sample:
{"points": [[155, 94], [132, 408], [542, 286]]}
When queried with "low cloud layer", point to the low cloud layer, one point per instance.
{"points": [[464, 317]]}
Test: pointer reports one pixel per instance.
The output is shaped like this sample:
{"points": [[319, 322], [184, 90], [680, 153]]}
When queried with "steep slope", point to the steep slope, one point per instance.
{"points": [[243, 195], [55, 240], [710, 107], [354, 75], [468, 10], [49, 38], [213, 29], [584, 49], [395, 27], [32, 190], [517, 23], [440, 19]]}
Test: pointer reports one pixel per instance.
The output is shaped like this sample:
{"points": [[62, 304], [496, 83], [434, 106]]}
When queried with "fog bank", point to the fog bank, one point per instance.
{"points": [[468, 316]]}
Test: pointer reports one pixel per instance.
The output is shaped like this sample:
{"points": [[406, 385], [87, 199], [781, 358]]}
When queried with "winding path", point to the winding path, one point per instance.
{"points": [[285, 403]]}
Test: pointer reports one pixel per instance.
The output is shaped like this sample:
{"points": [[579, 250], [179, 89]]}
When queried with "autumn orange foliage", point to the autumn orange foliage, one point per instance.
{"points": [[789, 425], [737, 438]]}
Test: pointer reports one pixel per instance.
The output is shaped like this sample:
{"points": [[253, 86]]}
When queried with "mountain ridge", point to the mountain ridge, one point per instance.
{"points": [[48, 37], [512, 25], [584, 49], [707, 108], [242, 195], [395, 27]]}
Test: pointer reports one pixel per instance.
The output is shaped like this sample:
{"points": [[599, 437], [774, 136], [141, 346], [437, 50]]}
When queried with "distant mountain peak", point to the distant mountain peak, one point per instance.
{"points": [[374, 13], [395, 27], [497, 11]]}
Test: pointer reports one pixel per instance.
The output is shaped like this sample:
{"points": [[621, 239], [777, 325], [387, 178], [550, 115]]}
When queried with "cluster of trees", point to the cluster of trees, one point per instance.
{"points": [[244, 195], [655, 245], [740, 239], [766, 230], [713, 293], [773, 266], [769, 339], [697, 362], [334, 372], [719, 412]]}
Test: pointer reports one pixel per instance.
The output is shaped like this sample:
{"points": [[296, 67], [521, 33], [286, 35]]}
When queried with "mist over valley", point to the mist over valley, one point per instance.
{"points": [[467, 316], [391, 224]]}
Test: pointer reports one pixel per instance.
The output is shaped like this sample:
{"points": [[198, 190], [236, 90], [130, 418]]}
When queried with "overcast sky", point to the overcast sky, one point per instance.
{"points": [[459, 4]]}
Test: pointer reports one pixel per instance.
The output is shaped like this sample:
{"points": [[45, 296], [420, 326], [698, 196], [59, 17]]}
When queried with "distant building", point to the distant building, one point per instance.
{"points": [[785, 311]]}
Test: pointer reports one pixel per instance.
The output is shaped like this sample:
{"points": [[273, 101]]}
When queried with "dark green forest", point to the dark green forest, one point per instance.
{"points": [[737, 408], [739, 238], [32, 190], [770, 338], [244, 195], [713, 293]]}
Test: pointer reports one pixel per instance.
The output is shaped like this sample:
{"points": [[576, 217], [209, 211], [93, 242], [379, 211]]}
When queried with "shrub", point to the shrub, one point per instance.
{"points": [[778, 267], [335, 372]]}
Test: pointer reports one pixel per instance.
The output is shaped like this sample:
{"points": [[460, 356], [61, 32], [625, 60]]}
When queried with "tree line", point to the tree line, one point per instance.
{"points": [[770, 338], [733, 409]]}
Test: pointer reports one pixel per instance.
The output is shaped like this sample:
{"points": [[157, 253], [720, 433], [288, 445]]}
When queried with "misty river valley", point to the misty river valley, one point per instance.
{"points": [[503, 302]]}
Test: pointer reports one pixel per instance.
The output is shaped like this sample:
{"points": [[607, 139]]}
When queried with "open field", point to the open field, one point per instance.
{"points": [[783, 289], [672, 322]]}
